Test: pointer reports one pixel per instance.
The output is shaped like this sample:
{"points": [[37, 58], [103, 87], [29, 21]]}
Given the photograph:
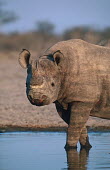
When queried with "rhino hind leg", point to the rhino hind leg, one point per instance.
{"points": [[84, 139]]}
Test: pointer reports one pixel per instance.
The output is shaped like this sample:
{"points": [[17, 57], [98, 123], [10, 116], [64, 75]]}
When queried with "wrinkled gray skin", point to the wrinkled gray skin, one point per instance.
{"points": [[75, 75]]}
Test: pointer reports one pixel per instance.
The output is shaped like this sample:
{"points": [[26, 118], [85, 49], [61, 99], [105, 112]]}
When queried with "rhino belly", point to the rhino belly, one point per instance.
{"points": [[103, 113]]}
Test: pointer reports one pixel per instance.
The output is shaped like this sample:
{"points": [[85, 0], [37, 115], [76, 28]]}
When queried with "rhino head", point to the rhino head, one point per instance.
{"points": [[43, 80]]}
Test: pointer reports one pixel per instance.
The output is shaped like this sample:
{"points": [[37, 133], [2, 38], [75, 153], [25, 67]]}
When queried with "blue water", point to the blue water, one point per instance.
{"points": [[45, 151]]}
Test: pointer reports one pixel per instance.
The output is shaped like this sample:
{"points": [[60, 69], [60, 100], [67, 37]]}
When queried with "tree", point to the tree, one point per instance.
{"points": [[76, 32], [106, 33], [45, 27], [6, 16], [83, 32]]}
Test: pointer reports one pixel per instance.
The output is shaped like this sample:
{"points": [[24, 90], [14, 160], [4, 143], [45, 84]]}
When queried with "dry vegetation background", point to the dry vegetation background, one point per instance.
{"points": [[15, 110]]}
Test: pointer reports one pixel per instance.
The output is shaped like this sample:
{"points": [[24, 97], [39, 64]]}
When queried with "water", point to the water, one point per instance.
{"points": [[45, 151]]}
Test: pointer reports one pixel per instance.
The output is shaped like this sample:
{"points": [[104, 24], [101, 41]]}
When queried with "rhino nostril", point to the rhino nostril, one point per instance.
{"points": [[44, 97], [38, 100]]}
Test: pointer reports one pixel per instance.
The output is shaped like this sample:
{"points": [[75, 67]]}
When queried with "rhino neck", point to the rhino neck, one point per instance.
{"points": [[64, 67], [64, 77]]}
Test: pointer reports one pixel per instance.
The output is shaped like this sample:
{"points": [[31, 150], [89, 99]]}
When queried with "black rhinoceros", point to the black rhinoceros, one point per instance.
{"points": [[75, 75]]}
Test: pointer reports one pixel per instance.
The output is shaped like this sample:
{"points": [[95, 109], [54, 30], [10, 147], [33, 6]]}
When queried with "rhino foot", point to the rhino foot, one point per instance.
{"points": [[86, 147], [67, 147]]}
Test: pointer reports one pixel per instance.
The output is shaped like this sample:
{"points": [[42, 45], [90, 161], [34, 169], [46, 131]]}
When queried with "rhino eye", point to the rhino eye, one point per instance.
{"points": [[52, 84]]}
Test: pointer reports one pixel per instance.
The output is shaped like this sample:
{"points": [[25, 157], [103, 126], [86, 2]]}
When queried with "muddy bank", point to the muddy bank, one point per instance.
{"points": [[11, 128], [16, 113]]}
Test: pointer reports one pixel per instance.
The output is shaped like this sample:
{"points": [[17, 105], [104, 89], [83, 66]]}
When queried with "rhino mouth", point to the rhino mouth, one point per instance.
{"points": [[39, 101]]}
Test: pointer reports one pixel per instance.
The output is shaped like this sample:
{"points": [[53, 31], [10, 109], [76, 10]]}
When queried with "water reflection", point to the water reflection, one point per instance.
{"points": [[77, 160], [45, 151]]}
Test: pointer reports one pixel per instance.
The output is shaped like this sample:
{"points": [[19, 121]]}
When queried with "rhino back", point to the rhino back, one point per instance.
{"points": [[86, 67]]}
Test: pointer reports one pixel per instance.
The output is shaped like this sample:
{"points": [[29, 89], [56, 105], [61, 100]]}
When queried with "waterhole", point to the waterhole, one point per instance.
{"points": [[45, 151]]}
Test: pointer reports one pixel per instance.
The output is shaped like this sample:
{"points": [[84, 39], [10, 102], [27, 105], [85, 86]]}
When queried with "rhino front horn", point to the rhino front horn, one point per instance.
{"points": [[24, 58]]}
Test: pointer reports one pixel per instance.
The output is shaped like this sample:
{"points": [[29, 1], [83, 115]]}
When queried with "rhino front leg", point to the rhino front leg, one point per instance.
{"points": [[79, 115], [84, 139]]}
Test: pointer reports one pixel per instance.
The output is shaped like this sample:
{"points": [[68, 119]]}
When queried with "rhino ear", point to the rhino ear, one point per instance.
{"points": [[24, 58], [57, 56]]}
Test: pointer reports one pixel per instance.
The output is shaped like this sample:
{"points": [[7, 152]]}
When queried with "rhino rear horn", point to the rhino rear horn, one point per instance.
{"points": [[24, 58], [57, 56]]}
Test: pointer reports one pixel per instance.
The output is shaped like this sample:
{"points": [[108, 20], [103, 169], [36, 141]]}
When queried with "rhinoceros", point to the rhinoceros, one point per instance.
{"points": [[75, 75]]}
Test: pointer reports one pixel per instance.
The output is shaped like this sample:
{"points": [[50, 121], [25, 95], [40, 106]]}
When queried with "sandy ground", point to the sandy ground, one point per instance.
{"points": [[15, 109]]}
